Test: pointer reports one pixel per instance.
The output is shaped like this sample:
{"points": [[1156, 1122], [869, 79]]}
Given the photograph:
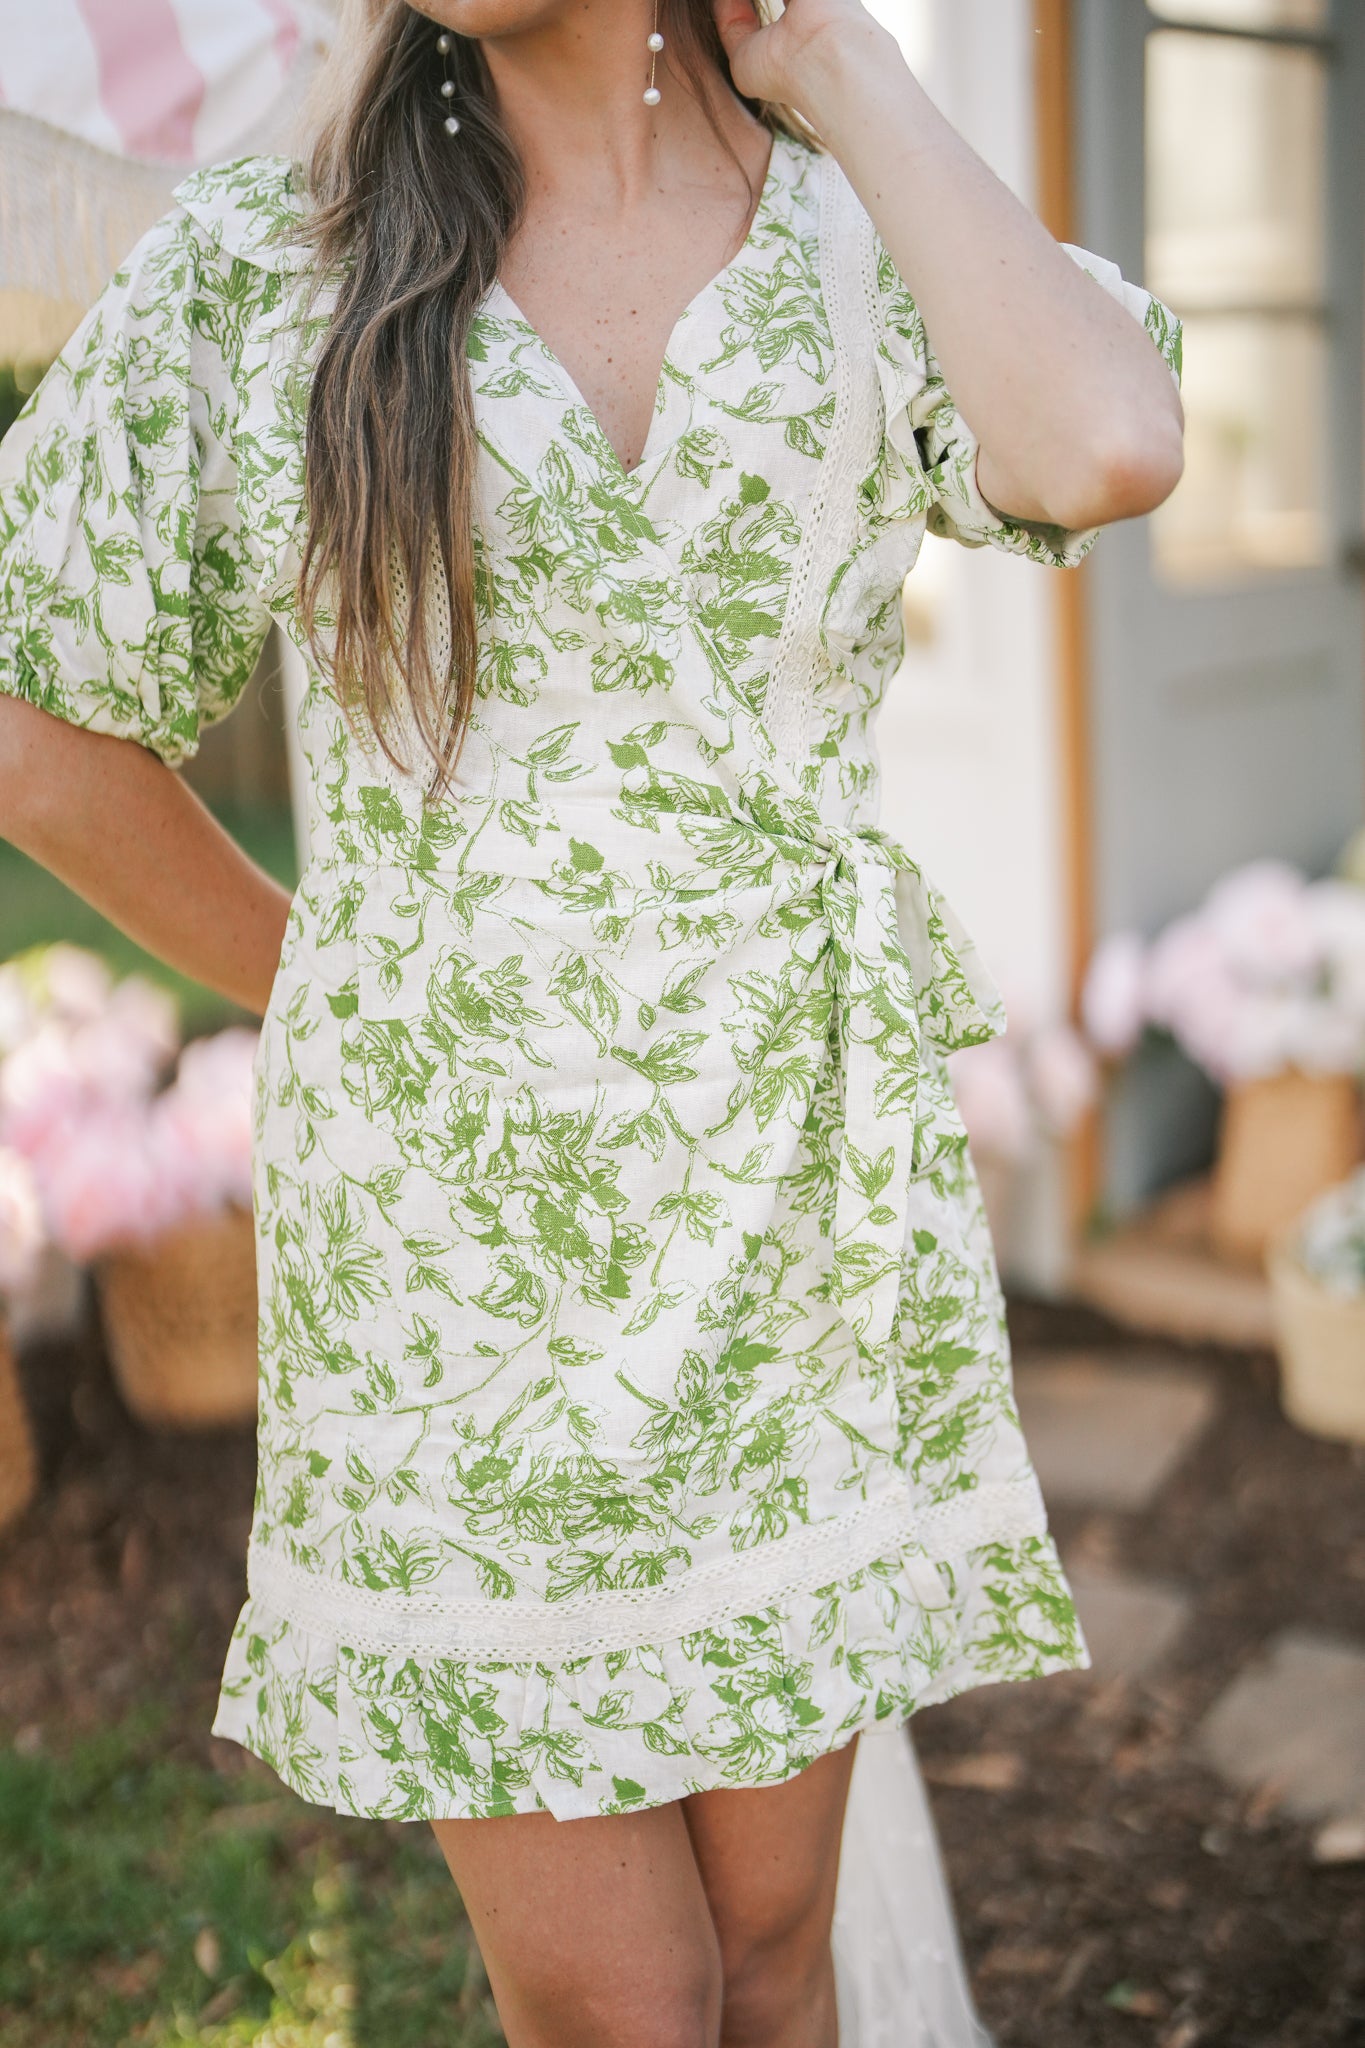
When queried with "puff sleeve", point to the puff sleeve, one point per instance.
{"points": [[931, 449], [128, 603]]}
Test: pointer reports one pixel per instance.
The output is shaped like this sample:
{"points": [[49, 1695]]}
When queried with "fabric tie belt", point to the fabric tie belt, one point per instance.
{"points": [[903, 973]]}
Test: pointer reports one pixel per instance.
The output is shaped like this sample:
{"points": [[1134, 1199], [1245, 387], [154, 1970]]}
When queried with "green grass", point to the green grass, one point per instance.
{"points": [[35, 909], [11, 401], [146, 1900]]}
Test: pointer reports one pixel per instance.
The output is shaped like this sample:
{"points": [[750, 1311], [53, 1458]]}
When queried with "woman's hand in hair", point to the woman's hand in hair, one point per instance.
{"points": [[784, 59]]}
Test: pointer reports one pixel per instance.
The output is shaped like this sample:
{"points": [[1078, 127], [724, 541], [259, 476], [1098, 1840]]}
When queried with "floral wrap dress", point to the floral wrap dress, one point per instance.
{"points": [[635, 1409]]}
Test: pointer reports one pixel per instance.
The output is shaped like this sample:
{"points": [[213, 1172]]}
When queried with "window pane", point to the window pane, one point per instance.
{"points": [[1309, 14], [1254, 487], [1235, 172]]}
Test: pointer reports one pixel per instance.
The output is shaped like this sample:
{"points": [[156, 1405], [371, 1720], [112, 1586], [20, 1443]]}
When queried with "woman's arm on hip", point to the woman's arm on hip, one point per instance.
{"points": [[121, 829]]}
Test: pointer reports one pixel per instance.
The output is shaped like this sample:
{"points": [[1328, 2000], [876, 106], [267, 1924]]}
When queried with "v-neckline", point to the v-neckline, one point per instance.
{"points": [[771, 180]]}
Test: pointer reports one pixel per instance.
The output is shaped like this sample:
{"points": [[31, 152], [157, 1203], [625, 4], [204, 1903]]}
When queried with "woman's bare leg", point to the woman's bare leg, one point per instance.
{"points": [[595, 1933], [769, 1861], [704, 1923]]}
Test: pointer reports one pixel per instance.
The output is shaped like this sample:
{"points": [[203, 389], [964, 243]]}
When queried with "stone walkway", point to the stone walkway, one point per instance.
{"points": [[1106, 1433]]}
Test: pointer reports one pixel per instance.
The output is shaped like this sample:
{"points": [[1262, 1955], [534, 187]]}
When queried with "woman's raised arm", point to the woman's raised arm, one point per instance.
{"points": [[122, 830], [1077, 415]]}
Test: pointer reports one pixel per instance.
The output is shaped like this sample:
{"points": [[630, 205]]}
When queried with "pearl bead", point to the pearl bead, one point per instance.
{"points": [[452, 125], [448, 89], [653, 96], [444, 45], [654, 42]]}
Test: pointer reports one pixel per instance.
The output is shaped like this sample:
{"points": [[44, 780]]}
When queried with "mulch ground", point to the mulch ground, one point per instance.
{"points": [[1111, 1890]]}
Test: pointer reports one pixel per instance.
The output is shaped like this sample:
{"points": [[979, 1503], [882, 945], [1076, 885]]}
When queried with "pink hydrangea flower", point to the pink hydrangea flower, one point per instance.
{"points": [[1187, 971], [21, 1223], [111, 1160], [17, 1013], [1061, 1078], [1112, 1002], [43, 1086], [1325, 1037], [1254, 1040], [149, 1016], [77, 983], [1336, 910], [993, 1100], [206, 1118], [104, 1185], [1348, 992], [1268, 974], [1261, 919]]}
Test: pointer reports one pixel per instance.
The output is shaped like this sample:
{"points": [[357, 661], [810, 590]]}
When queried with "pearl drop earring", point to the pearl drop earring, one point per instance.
{"points": [[653, 43], [445, 43]]}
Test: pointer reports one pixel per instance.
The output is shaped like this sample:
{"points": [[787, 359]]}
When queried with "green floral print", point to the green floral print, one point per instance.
{"points": [[635, 1406]]}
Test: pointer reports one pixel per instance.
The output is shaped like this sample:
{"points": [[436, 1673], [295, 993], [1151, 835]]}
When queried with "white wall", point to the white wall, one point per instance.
{"points": [[969, 732]]}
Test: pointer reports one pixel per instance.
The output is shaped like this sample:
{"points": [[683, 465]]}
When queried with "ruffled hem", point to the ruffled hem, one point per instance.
{"points": [[747, 1703]]}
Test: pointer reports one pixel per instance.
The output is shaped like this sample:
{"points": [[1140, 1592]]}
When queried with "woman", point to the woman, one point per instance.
{"points": [[636, 1425]]}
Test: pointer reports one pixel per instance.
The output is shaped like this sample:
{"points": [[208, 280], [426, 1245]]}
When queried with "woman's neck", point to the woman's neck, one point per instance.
{"points": [[571, 95]]}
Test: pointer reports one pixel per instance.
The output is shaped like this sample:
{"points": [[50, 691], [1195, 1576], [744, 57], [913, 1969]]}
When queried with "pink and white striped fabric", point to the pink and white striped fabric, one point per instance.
{"points": [[164, 81]]}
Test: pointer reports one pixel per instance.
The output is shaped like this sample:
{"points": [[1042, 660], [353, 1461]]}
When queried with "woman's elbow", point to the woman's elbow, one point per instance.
{"points": [[1131, 470], [1143, 470]]}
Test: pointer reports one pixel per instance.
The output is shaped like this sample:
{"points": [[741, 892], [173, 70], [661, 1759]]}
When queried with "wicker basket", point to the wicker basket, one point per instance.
{"points": [[1321, 1340], [18, 1462], [180, 1323], [1283, 1142]]}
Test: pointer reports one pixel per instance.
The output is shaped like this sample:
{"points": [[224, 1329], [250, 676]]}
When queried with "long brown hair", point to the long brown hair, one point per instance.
{"points": [[413, 231]]}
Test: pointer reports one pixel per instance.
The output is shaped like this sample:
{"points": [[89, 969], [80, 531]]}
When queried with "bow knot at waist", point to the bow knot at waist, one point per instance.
{"points": [[904, 974]]}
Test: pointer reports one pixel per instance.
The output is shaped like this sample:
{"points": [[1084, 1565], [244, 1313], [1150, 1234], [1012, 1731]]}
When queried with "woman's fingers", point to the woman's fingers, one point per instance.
{"points": [[772, 61], [739, 24]]}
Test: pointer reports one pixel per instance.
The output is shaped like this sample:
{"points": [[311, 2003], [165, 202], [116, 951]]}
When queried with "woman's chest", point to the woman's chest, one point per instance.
{"points": [[610, 288], [739, 566], [727, 473]]}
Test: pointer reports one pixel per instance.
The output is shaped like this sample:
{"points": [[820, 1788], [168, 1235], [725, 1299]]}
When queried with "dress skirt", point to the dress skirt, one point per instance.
{"points": [[699, 1537]]}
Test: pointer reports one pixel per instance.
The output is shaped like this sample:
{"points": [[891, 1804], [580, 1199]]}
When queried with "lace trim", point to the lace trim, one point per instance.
{"points": [[846, 251], [588, 1624]]}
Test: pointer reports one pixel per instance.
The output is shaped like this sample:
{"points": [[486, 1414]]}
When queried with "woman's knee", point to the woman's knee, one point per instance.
{"points": [[596, 1932], [671, 2000], [778, 1989], [660, 2019]]}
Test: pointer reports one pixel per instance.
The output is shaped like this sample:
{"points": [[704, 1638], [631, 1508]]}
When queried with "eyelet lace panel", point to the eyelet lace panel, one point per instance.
{"points": [[405, 735], [427, 1625], [846, 258]]}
